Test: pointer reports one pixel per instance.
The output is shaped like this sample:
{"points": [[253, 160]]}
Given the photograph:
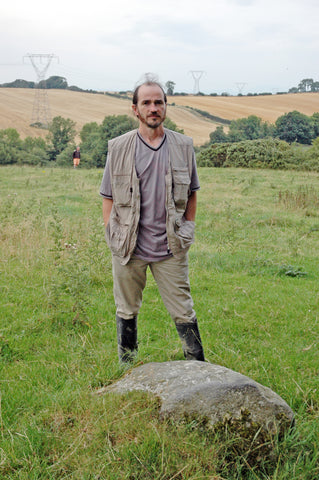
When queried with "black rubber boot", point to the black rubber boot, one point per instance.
{"points": [[126, 339], [191, 341]]}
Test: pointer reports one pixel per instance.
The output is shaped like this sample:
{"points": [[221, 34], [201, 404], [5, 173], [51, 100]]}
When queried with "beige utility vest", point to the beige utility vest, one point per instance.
{"points": [[122, 229]]}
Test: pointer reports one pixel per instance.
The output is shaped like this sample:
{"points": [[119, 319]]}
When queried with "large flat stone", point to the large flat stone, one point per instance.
{"points": [[194, 389]]}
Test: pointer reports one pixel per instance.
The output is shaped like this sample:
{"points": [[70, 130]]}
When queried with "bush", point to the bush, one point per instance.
{"points": [[312, 156], [264, 153], [37, 156], [35, 151], [10, 146]]}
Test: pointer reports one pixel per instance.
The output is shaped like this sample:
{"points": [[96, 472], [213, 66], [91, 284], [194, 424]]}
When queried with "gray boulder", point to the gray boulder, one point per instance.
{"points": [[200, 390]]}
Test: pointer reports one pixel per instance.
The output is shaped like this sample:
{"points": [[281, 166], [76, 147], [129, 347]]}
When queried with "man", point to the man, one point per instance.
{"points": [[149, 205], [76, 157]]}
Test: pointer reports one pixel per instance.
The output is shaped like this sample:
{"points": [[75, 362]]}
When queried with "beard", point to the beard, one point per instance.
{"points": [[155, 124], [152, 121]]}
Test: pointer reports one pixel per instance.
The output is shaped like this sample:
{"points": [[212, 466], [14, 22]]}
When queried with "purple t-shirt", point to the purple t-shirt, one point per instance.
{"points": [[151, 167]]}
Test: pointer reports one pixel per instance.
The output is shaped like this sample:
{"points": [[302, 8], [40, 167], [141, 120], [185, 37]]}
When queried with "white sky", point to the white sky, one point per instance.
{"points": [[269, 44]]}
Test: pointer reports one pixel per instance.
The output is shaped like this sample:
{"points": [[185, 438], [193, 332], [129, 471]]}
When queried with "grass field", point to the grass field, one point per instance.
{"points": [[254, 276], [17, 103]]}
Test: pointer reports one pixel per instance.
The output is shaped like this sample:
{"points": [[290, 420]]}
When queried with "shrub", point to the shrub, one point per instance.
{"points": [[312, 156], [264, 153], [10, 146]]}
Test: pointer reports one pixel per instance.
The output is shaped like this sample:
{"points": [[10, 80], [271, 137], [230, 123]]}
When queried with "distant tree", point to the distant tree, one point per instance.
{"points": [[250, 128], [88, 131], [305, 85], [54, 82], [74, 88], [95, 137], [12, 137], [92, 144], [246, 128], [115, 125], [170, 87], [35, 151], [218, 135], [18, 84], [294, 127], [10, 146], [32, 151], [61, 133]]}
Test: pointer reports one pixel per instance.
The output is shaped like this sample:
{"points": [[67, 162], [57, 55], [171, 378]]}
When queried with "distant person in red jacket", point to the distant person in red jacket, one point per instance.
{"points": [[76, 157]]}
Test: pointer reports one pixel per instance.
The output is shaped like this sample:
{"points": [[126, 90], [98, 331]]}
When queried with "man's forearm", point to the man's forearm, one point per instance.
{"points": [[190, 212], [107, 207]]}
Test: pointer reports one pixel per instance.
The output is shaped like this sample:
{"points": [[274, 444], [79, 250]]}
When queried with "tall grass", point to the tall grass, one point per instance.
{"points": [[254, 275]]}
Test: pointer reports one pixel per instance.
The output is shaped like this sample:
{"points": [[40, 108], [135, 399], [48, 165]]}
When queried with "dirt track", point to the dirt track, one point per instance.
{"points": [[16, 109]]}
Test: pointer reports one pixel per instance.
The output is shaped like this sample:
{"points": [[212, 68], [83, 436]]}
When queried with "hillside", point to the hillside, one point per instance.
{"points": [[267, 107], [17, 104], [16, 109]]}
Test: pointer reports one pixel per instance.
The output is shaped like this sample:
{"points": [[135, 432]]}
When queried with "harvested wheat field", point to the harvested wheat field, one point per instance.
{"points": [[17, 104], [16, 109], [267, 107]]}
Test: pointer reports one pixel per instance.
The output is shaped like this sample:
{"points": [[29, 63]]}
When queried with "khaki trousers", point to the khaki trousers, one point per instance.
{"points": [[171, 276]]}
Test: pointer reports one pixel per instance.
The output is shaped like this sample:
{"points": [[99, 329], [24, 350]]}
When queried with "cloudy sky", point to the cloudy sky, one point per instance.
{"points": [[239, 45]]}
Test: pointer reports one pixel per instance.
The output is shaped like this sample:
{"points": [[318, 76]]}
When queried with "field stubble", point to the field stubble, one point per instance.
{"points": [[254, 276], [81, 107]]}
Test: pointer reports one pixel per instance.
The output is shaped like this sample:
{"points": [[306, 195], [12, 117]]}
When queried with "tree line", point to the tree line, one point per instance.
{"points": [[57, 82], [305, 85], [59, 144], [54, 82], [292, 142], [290, 127]]}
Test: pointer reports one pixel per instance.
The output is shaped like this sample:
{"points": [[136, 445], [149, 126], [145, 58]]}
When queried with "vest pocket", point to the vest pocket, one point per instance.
{"points": [[186, 233], [121, 190], [117, 237], [181, 183]]}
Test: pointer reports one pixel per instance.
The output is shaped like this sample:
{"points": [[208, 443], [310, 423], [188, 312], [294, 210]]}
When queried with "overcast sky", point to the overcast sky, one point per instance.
{"points": [[240, 45]]}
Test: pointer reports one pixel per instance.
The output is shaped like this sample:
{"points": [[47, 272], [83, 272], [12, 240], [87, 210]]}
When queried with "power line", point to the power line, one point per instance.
{"points": [[11, 64]]}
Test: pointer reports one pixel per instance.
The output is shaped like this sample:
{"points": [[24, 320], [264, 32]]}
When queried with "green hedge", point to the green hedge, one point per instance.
{"points": [[262, 153]]}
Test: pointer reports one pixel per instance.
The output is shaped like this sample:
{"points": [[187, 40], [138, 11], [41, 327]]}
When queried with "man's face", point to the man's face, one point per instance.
{"points": [[151, 106]]}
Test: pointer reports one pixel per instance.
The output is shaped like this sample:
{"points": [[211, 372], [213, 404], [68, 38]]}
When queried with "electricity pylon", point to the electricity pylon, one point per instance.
{"points": [[197, 75], [240, 86], [41, 110]]}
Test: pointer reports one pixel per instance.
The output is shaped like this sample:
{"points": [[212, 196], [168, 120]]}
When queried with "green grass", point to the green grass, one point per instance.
{"points": [[254, 276]]}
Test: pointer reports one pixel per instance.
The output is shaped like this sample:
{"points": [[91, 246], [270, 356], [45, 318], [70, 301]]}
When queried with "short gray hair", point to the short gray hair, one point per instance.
{"points": [[148, 79]]}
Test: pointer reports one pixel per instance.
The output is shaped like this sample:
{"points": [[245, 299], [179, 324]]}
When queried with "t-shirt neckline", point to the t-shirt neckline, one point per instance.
{"points": [[148, 145]]}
